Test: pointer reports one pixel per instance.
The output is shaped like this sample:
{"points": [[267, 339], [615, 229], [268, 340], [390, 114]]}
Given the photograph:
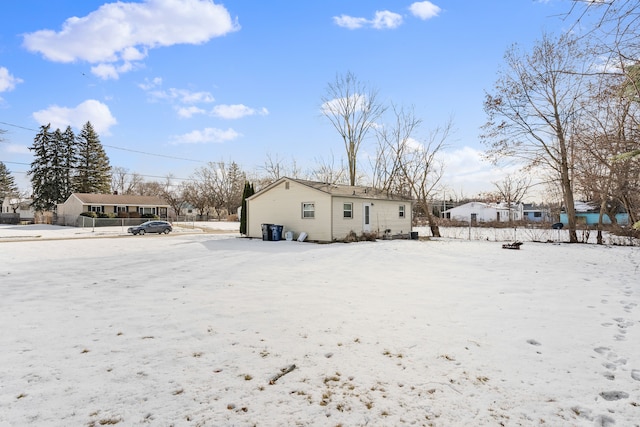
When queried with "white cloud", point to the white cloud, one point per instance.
{"points": [[337, 105], [386, 20], [424, 10], [182, 96], [467, 173], [382, 20], [89, 111], [7, 81], [120, 33], [150, 84], [236, 111], [350, 22], [188, 112], [206, 135]]}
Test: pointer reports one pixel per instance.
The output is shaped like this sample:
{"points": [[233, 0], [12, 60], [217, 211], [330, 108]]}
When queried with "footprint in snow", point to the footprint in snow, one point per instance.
{"points": [[635, 374], [533, 342], [614, 395]]}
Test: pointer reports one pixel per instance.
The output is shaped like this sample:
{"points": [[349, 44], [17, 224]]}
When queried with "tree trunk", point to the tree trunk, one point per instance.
{"points": [[567, 190], [603, 205], [433, 225]]}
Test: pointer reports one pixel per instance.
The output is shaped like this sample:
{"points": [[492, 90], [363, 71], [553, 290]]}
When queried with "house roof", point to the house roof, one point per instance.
{"points": [[119, 199], [341, 190], [496, 206]]}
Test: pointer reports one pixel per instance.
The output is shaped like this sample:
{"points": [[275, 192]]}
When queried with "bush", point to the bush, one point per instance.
{"points": [[89, 214], [150, 216], [353, 237]]}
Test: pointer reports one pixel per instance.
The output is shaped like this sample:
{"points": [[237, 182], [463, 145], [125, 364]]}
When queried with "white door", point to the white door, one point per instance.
{"points": [[366, 218]]}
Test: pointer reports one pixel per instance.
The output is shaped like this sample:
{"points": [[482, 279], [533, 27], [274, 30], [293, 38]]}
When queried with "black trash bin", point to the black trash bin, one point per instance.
{"points": [[276, 232], [266, 232]]}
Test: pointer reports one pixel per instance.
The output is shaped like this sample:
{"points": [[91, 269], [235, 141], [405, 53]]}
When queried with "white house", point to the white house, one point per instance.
{"points": [[327, 212], [484, 212], [18, 207]]}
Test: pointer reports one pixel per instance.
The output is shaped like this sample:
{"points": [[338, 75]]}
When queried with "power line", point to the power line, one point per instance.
{"points": [[122, 148], [62, 167], [154, 154]]}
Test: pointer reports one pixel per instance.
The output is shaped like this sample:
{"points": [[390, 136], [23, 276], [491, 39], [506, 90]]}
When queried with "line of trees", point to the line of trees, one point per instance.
{"points": [[66, 163], [570, 106]]}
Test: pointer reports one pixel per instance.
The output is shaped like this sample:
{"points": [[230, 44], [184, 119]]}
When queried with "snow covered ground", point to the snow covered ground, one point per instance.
{"points": [[206, 328]]}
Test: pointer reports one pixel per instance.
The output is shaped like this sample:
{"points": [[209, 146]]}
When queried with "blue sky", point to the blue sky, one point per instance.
{"points": [[197, 81]]}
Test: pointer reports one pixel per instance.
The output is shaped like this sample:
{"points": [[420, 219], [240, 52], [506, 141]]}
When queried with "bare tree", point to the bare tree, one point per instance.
{"points": [[394, 142], [352, 108], [124, 182], [512, 190], [195, 194], [605, 172], [409, 167], [325, 170], [174, 195], [222, 186], [613, 29], [276, 168], [422, 170], [18, 200], [534, 110], [149, 188]]}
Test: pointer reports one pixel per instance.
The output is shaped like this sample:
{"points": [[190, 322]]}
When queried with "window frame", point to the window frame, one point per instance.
{"points": [[349, 210], [402, 211], [306, 211]]}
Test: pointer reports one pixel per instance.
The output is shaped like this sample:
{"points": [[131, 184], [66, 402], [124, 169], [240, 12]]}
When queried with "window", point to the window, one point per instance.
{"points": [[347, 210], [98, 209], [117, 209], [308, 210], [143, 211], [401, 211]]}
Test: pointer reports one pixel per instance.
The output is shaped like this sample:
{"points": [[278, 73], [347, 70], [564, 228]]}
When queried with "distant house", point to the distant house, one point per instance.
{"points": [[327, 212], [122, 205], [484, 212], [534, 214], [15, 210], [588, 214]]}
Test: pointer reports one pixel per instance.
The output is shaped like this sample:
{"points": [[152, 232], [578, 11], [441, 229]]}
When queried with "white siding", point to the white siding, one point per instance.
{"points": [[384, 214], [283, 206]]}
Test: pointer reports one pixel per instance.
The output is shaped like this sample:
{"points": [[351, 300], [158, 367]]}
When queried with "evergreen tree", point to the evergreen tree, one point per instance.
{"points": [[56, 163], [8, 187], [93, 173], [69, 160], [247, 192], [43, 181]]}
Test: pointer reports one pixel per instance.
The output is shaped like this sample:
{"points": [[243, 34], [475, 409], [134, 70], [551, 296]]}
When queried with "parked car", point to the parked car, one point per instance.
{"points": [[151, 227]]}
